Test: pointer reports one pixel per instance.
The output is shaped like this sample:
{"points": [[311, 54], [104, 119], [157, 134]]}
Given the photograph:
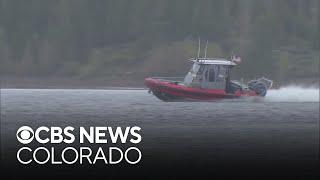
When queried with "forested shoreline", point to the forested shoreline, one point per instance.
{"points": [[119, 39]]}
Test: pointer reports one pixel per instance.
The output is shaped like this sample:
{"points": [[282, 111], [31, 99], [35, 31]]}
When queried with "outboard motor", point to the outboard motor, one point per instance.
{"points": [[260, 86]]}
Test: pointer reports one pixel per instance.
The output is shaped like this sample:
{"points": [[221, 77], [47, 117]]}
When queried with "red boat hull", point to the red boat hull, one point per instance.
{"points": [[171, 91]]}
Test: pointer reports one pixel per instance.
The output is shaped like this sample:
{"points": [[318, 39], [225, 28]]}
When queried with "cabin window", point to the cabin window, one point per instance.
{"points": [[206, 75], [211, 75], [201, 69], [222, 73]]}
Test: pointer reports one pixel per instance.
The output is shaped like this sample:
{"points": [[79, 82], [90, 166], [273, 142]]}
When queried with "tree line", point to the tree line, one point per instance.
{"points": [[109, 38]]}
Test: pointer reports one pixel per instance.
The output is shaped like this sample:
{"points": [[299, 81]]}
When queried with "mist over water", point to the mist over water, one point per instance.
{"points": [[293, 93]]}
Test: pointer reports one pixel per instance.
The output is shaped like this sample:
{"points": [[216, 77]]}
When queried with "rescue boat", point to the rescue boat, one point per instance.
{"points": [[208, 79]]}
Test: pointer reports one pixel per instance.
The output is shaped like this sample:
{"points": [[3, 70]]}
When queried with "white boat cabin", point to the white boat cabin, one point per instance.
{"points": [[209, 73]]}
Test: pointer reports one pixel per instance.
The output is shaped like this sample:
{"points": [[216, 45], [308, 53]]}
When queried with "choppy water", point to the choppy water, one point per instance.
{"points": [[282, 126]]}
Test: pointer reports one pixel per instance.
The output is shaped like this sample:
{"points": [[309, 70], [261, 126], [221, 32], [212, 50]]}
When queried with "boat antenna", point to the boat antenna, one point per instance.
{"points": [[232, 55], [205, 52], [199, 49]]}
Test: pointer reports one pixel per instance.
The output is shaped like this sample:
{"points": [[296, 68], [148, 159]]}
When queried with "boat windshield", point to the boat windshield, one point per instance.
{"points": [[195, 68]]}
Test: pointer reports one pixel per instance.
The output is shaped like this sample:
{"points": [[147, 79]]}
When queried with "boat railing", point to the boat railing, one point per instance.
{"points": [[170, 79]]}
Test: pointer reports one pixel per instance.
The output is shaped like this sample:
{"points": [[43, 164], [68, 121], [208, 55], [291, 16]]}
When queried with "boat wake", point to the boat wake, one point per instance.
{"points": [[293, 94]]}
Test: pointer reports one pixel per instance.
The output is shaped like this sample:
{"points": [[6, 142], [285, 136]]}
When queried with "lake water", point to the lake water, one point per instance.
{"points": [[282, 127]]}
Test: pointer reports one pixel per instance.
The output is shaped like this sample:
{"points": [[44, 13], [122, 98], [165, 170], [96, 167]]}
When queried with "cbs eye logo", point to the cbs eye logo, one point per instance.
{"points": [[25, 134]]}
